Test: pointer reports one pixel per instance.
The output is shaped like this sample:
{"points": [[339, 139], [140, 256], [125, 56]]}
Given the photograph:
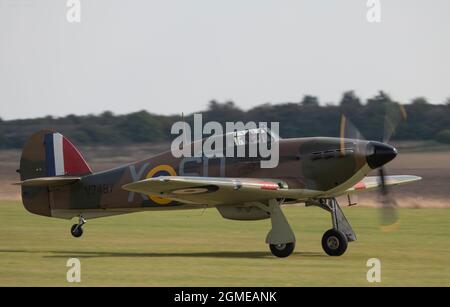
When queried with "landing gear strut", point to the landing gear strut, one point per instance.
{"points": [[335, 240], [77, 229], [281, 238]]}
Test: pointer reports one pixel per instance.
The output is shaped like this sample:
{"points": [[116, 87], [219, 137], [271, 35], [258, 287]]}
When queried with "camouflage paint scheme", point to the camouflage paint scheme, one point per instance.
{"points": [[313, 167]]}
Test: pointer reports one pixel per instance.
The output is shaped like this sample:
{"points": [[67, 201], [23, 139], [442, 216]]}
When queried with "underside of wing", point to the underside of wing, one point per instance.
{"points": [[215, 190], [374, 182]]}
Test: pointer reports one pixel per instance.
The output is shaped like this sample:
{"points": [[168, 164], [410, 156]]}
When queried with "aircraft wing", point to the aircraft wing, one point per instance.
{"points": [[374, 182], [216, 190]]}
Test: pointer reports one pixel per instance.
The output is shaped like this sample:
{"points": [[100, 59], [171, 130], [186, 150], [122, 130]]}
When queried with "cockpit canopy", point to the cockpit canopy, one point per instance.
{"points": [[252, 136]]}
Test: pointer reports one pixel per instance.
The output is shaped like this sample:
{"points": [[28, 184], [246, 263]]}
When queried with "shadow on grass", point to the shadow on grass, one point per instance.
{"points": [[101, 254]]}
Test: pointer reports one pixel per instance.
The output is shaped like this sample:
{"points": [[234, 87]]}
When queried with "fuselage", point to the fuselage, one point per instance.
{"points": [[327, 165]]}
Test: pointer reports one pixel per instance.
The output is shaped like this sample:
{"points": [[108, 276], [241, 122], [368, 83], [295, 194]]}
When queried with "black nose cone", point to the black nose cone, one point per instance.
{"points": [[378, 154]]}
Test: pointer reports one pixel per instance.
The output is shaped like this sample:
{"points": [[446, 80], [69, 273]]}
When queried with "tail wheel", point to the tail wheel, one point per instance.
{"points": [[76, 230], [282, 250], [334, 242]]}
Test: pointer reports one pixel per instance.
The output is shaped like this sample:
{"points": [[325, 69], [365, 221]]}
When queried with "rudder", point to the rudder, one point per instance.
{"points": [[62, 158], [48, 154]]}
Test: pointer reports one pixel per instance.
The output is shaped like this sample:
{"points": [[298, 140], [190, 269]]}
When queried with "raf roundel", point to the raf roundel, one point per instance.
{"points": [[161, 170]]}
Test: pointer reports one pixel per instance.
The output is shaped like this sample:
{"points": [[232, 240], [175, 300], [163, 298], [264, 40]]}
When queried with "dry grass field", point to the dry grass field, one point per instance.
{"points": [[191, 248]]}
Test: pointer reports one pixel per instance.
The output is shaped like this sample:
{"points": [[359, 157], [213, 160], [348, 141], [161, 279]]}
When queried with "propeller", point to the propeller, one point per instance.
{"points": [[394, 114]]}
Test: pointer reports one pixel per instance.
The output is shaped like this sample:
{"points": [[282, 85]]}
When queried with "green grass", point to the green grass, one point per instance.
{"points": [[185, 248]]}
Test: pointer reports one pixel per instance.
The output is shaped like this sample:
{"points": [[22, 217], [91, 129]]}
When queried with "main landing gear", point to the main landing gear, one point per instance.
{"points": [[281, 238], [77, 229], [335, 240]]}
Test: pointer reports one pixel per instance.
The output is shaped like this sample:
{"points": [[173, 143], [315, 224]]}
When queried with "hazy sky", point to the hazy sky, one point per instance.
{"points": [[169, 56]]}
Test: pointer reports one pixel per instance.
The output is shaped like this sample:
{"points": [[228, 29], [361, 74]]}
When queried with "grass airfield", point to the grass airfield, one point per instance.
{"points": [[200, 248]]}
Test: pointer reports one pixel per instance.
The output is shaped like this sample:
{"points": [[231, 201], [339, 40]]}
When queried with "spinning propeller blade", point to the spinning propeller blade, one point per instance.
{"points": [[394, 114], [348, 131], [388, 213]]}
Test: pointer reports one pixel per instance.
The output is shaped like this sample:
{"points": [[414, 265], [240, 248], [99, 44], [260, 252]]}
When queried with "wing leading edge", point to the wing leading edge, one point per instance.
{"points": [[216, 190], [222, 191], [374, 182]]}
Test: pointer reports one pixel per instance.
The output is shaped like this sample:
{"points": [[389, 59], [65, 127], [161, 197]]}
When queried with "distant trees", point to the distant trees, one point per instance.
{"points": [[350, 101], [443, 136], [310, 101], [139, 127], [419, 101], [418, 120], [223, 112]]}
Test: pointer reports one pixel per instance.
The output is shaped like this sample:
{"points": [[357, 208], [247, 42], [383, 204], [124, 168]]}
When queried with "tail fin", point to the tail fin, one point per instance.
{"points": [[48, 154], [62, 158]]}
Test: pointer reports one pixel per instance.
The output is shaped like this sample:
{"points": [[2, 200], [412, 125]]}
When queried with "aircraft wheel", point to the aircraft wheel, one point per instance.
{"points": [[282, 250], [76, 230], [334, 242]]}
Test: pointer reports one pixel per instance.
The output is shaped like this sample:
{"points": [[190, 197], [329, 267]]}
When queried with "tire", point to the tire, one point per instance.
{"points": [[282, 250], [334, 242], [76, 231]]}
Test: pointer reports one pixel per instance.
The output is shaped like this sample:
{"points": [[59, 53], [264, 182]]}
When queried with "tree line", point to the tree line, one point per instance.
{"points": [[418, 120]]}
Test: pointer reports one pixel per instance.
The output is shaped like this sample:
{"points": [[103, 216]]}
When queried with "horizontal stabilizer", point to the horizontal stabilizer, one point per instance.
{"points": [[47, 181]]}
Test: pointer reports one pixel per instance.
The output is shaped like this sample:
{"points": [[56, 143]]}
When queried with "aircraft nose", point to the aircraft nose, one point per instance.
{"points": [[378, 154]]}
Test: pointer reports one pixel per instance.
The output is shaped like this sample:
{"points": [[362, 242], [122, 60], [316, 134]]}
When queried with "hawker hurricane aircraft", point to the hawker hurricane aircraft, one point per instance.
{"points": [[57, 182]]}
